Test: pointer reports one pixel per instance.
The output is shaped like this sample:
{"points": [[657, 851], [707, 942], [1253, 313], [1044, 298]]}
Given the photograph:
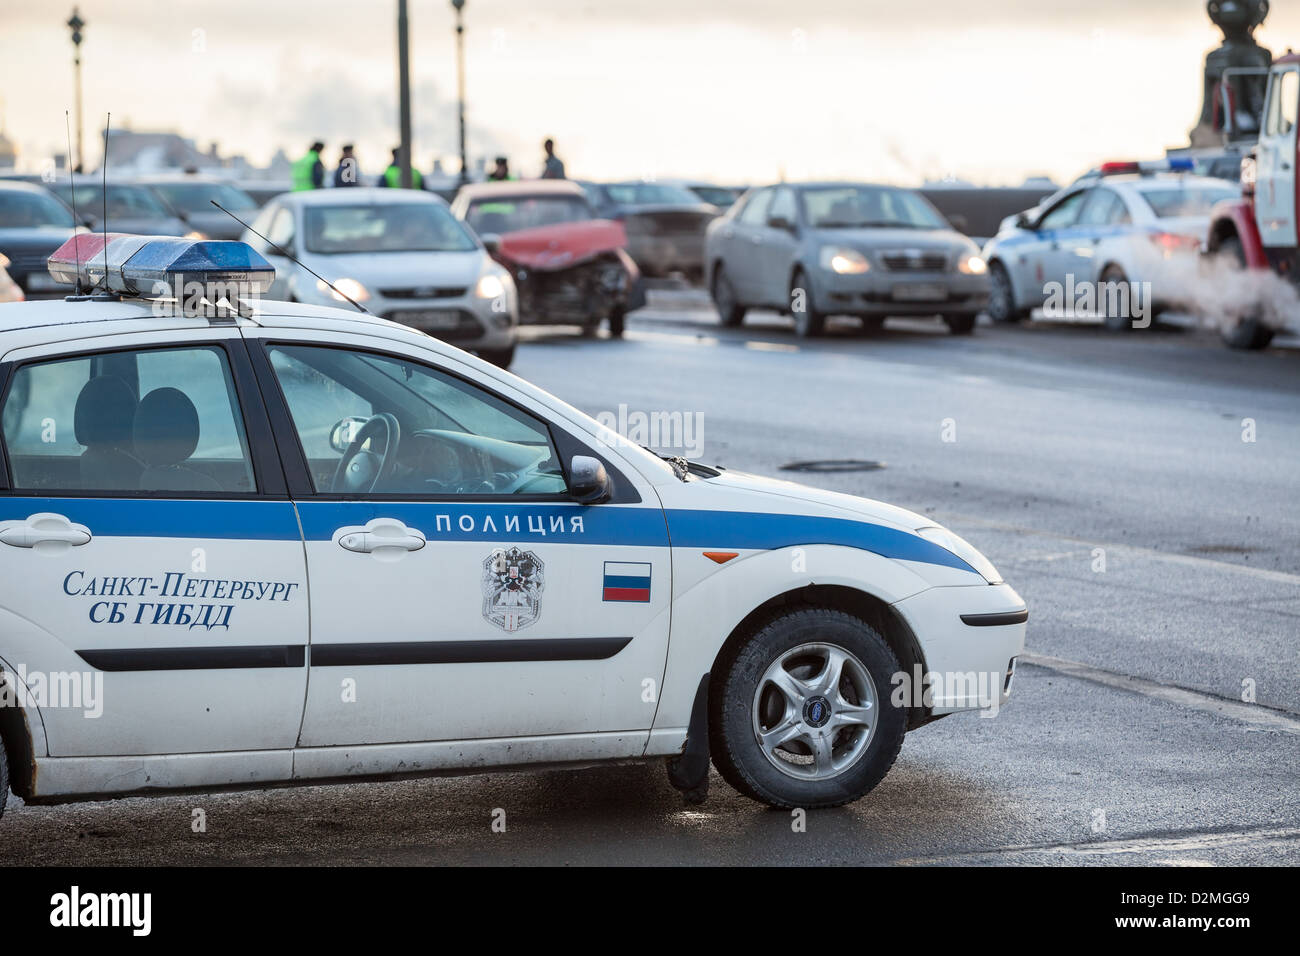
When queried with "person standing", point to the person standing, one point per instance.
{"points": [[348, 173], [392, 177], [308, 172], [501, 171], [553, 168]]}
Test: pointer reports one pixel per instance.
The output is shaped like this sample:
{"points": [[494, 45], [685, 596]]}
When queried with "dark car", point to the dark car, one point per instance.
{"points": [[32, 225], [816, 249], [665, 223], [570, 267], [192, 198], [131, 208]]}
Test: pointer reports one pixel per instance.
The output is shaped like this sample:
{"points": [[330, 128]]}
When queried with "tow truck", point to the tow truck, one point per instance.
{"points": [[1258, 230]]}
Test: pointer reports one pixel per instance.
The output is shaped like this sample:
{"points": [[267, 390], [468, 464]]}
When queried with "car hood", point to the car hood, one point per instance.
{"points": [[400, 269], [33, 238], [820, 501], [926, 240], [217, 225], [550, 248], [169, 226]]}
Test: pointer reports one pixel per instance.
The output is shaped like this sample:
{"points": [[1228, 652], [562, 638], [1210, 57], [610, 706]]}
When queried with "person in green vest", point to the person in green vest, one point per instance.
{"points": [[392, 177], [308, 171]]}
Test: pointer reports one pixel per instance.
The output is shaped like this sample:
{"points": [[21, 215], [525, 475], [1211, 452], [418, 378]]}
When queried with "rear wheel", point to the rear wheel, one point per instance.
{"points": [[960, 324], [498, 357], [4, 779], [808, 322], [1002, 301], [730, 312], [1249, 332], [800, 712], [1114, 319]]}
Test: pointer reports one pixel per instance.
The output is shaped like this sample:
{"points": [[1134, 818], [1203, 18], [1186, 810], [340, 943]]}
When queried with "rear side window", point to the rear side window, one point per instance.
{"points": [[152, 421], [1186, 201]]}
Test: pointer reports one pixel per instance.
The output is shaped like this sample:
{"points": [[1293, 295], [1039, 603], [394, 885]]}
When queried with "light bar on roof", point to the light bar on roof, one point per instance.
{"points": [[161, 266]]}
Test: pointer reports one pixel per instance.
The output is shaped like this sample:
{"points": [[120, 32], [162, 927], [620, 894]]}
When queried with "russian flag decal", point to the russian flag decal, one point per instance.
{"points": [[626, 581]]}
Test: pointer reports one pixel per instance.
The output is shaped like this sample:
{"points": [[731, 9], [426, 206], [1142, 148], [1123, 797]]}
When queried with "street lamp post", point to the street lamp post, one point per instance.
{"points": [[404, 93], [459, 6], [75, 25]]}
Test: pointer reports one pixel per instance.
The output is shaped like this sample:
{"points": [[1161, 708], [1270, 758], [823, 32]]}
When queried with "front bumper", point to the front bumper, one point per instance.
{"points": [[466, 321], [881, 292], [970, 637]]}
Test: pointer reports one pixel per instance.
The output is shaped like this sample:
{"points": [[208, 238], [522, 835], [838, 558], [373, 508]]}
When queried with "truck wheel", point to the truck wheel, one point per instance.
{"points": [[808, 322], [730, 312], [800, 712], [1002, 302], [617, 322], [1249, 332]]}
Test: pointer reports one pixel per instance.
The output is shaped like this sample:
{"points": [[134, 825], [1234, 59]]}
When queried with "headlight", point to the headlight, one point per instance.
{"points": [[844, 261], [351, 288], [972, 265], [194, 234], [962, 549], [490, 287]]}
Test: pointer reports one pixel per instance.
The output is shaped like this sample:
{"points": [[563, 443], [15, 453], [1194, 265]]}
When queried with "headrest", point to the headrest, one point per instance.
{"points": [[105, 412], [166, 427]]}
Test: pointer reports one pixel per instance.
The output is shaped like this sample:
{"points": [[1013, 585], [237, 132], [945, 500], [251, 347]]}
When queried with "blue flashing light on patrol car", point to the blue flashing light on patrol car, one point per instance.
{"points": [[161, 267]]}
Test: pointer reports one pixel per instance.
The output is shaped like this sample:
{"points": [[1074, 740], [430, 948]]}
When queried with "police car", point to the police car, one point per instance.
{"points": [[249, 542], [1124, 224]]}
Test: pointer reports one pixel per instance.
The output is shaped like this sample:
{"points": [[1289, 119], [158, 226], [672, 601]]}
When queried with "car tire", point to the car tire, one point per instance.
{"points": [[1249, 332], [808, 322], [501, 358], [960, 324], [1116, 323], [1002, 301], [743, 700], [871, 325], [4, 779], [617, 323], [730, 312]]}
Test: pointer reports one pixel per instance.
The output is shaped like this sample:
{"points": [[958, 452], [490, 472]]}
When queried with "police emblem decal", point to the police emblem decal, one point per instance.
{"points": [[512, 588]]}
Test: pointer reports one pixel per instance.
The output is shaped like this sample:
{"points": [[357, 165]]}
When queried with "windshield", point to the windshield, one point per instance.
{"points": [[124, 202], [526, 212], [24, 210], [399, 227], [648, 194], [195, 197], [1186, 200], [719, 196], [859, 207]]}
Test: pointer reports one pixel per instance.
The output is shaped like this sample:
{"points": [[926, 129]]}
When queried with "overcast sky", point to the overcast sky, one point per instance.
{"points": [[729, 90]]}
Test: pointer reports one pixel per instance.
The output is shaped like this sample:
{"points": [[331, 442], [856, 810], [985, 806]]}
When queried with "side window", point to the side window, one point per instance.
{"points": [[158, 420], [1104, 207], [262, 223], [755, 211], [281, 229], [379, 424], [1288, 100], [783, 206], [1064, 213]]}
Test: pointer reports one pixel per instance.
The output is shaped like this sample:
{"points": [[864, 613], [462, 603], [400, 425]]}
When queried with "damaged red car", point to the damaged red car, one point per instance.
{"points": [[570, 267]]}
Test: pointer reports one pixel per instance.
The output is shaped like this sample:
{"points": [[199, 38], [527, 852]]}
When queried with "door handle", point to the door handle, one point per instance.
{"points": [[45, 532], [386, 538]]}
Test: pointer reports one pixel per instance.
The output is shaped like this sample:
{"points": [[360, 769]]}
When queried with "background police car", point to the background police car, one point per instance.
{"points": [[1123, 225], [220, 517]]}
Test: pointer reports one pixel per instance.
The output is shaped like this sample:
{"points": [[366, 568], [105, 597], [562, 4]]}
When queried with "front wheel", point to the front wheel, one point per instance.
{"points": [[960, 324], [800, 712], [808, 322], [617, 323], [1002, 300], [1248, 332], [730, 312], [501, 358]]}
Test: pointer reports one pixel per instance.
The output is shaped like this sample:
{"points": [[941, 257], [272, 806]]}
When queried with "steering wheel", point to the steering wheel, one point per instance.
{"points": [[360, 471]]}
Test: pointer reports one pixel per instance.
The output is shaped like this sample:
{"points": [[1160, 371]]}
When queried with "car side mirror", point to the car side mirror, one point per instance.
{"points": [[588, 481], [88, 221], [780, 222], [345, 432], [491, 242], [1024, 222]]}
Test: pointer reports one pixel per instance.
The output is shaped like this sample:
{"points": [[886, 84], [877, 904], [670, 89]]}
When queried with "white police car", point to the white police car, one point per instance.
{"points": [[1129, 223], [261, 542]]}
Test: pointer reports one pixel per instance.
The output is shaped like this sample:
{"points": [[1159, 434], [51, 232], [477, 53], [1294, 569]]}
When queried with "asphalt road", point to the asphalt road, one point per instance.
{"points": [[1107, 478]]}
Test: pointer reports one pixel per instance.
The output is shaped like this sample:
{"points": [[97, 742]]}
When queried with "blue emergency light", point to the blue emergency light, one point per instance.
{"points": [[161, 267]]}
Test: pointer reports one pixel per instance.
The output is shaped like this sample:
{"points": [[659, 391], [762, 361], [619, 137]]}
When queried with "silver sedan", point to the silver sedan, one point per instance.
{"points": [[816, 249]]}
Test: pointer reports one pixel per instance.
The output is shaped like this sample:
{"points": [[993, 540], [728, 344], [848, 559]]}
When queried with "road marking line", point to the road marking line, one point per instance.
{"points": [[1256, 715], [1173, 842]]}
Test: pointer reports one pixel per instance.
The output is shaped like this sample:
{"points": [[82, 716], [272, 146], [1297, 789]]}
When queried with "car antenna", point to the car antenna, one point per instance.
{"points": [[293, 259], [104, 225], [72, 184]]}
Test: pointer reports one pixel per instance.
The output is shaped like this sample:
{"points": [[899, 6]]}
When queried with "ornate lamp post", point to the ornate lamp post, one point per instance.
{"points": [[75, 25], [459, 6]]}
